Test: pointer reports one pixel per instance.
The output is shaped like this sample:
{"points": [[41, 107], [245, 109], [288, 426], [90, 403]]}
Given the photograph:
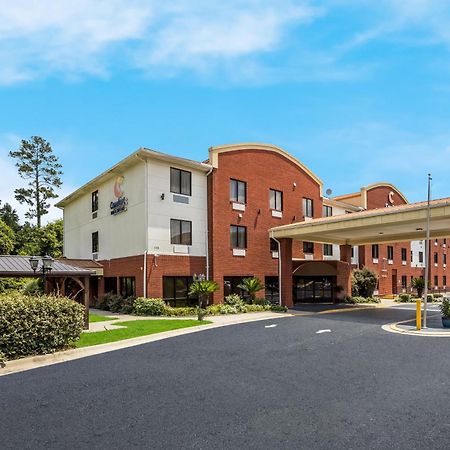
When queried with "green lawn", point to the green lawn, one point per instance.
{"points": [[135, 328], [96, 318]]}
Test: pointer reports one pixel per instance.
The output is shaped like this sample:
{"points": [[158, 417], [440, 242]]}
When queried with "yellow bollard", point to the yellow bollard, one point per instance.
{"points": [[419, 314]]}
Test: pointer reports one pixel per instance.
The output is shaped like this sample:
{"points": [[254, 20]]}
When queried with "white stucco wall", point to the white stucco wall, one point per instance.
{"points": [[416, 247], [124, 234]]}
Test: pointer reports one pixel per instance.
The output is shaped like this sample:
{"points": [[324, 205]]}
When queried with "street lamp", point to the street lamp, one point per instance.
{"points": [[34, 262], [46, 266]]}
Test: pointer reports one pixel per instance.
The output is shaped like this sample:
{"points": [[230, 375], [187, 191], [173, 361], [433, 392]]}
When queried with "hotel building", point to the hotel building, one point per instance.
{"points": [[154, 221]]}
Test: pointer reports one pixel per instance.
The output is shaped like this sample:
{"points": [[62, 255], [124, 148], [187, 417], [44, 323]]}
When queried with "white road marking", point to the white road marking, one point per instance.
{"points": [[270, 326], [323, 331]]}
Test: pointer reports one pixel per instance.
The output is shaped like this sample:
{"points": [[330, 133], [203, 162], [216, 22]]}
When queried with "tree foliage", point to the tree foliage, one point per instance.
{"points": [[364, 282], [7, 239], [47, 240], [37, 163], [9, 215], [252, 286]]}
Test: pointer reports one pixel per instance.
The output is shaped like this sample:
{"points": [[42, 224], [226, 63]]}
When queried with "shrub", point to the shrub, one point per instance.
{"points": [[364, 282], [251, 286], [149, 306], [437, 295], [38, 325], [34, 287], [127, 305], [403, 298], [233, 299], [419, 285], [180, 312], [445, 308], [113, 302], [261, 301], [278, 308], [358, 299]]}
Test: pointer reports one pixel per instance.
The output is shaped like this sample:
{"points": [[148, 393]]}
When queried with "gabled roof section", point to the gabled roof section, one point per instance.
{"points": [[215, 151], [135, 158]]}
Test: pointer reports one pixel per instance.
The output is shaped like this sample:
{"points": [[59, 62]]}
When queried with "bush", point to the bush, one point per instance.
{"points": [[278, 308], [113, 302], [445, 308], [437, 295], [358, 299], [261, 301], [233, 300], [34, 287], [180, 312], [364, 282], [403, 298], [150, 306], [127, 305], [38, 325]]}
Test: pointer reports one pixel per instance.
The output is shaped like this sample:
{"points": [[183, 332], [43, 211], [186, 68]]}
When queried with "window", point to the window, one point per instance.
{"points": [[436, 258], [272, 289], [404, 253], [238, 236], [276, 200], [444, 281], [180, 232], [176, 291], [308, 209], [412, 256], [95, 242], [238, 191], [180, 181], [445, 242], [390, 252], [375, 251], [404, 282], [353, 252], [110, 285], [308, 247], [436, 280], [127, 286], [421, 257], [273, 245], [327, 211], [94, 201], [328, 249], [444, 259]]}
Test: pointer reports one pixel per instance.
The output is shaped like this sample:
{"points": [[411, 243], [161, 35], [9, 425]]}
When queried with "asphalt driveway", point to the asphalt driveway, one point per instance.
{"points": [[243, 386]]}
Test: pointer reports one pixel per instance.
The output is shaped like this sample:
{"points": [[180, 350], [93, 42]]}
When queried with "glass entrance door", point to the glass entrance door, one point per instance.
{"points": [[313, 289]]}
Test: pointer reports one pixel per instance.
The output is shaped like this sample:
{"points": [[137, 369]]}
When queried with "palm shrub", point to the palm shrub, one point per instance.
{"points": [[251, 286], [364, 282], [419, 285], [203, 290]]}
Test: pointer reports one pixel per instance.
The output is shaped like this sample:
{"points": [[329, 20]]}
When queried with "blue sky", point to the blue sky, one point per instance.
{"points": [[357, 90]]}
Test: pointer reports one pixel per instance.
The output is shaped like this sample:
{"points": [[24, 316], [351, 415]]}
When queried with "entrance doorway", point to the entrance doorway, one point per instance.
{"points": [[394, 282], [313, 289]]}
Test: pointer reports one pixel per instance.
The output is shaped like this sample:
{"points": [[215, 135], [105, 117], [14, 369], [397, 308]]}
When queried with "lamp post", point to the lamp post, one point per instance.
{"points": [[46, 265]]}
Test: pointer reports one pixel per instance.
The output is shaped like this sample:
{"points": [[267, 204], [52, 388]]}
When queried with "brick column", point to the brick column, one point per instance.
{"points": [[286, 272], [346, 253]]}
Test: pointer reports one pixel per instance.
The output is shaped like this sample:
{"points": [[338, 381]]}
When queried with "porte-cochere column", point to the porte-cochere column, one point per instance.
{"points": [[286, 272]]}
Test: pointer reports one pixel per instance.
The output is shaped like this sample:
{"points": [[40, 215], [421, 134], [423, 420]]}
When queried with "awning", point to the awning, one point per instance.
{"points": [[385, 225]]}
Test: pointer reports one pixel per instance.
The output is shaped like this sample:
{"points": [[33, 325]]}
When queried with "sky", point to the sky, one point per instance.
{"points": [[357, 90]]}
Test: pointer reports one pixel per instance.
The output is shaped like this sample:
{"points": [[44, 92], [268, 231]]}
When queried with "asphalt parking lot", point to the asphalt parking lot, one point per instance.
{"points": [[321, 381]]}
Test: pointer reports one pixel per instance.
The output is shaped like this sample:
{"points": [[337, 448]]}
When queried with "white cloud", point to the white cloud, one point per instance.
{"points": [[41, 37]]}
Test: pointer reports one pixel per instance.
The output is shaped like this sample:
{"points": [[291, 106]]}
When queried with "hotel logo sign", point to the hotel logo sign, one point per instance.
{"points": [[121, 204], [390, 201]]}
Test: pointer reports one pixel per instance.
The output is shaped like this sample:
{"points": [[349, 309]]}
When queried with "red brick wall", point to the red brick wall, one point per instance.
{"points": [[261, 170]]}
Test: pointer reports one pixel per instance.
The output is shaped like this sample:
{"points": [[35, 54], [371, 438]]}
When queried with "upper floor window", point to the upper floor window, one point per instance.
{"points": [[421, 257], [327, 211], [273, 245], [180, 181], [94, 241], [328, 249], [308, 207], [308, 247], [375, 251], [444, 258], [238, 191], [180, 232], [436, 258], [238, 236], [276, 200], [404, 254], [94, 201], [390, 252]]}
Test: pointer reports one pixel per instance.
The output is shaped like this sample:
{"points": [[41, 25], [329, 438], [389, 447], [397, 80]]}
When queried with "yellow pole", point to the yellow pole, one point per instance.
{"points": [[419, 314]]}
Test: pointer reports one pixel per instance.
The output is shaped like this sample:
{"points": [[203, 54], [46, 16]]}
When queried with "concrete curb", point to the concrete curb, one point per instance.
{"points": [[34, 362], [394, 328]]}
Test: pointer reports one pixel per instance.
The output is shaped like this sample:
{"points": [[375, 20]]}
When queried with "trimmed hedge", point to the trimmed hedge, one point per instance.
{"points": [[38, 325], [357, 299]]}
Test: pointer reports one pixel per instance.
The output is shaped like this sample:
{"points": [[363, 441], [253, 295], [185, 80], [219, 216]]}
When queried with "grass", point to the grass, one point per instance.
{"points": [[96, 318], [135, 328]]}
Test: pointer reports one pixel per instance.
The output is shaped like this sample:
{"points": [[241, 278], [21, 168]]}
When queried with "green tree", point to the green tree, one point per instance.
{"points": [[9, 215], [47, 240], [419, 285], [7, 239], [203, 289], [364, 282], [252, 286], [37, 163]]}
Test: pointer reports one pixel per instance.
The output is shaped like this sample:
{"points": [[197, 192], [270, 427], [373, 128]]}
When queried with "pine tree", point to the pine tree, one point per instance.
{"points": [[37, 163]]}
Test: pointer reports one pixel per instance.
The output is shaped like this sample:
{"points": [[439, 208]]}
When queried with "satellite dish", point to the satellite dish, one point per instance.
{"points": [[328, 191]]}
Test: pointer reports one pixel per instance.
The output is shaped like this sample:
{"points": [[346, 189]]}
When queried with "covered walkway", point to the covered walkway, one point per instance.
{"points": [[376, 226]]}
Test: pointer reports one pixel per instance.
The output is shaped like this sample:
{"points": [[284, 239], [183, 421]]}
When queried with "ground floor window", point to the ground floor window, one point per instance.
{"points": [[127, 286], [272, 289], [230, 286], [176, 291], [110, 285], [404, 282]]}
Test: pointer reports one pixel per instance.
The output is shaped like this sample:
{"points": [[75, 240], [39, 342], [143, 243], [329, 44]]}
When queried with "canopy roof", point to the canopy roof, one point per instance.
{"points": [[19, 266], [393, 224]]}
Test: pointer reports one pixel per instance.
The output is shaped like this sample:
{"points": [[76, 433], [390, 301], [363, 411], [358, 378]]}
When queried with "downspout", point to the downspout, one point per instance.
{"points": [[144, 160], [207, 225], [279, 267]]}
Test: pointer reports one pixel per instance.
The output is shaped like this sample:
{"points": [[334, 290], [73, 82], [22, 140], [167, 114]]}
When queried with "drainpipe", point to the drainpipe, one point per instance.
{"points": [[144, 160], [279, 267], [207, 225]]}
